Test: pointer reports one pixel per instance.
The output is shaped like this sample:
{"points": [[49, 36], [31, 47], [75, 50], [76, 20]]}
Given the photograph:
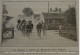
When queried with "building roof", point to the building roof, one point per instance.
{"points": [[53, 16]]}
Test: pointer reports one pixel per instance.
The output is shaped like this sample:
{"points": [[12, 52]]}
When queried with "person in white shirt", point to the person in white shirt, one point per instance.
{"points": [[60, 28]]}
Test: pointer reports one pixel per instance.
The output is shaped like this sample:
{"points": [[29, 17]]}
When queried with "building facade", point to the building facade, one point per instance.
{"points": [[53, 19]]}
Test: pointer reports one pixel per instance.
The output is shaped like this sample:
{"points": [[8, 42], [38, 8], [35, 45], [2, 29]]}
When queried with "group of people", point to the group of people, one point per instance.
{"points": [[26, 28], [41, 27]]}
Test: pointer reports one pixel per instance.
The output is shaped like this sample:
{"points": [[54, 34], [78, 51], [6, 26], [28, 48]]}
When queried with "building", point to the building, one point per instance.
{"points": [[53, 19]]}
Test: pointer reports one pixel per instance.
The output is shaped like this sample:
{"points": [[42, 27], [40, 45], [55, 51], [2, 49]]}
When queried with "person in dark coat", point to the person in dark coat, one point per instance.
{"points": [[21, 24], [23, 28], [39, 28], [29, 28], [19, 21]]}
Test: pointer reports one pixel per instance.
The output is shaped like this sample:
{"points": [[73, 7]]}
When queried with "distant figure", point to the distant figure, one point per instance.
{"points": [[39, 28], [44, 27], [29, 17], [19, 21], [29, 28], [22, 22], [26, 29], [23, 28], [60, 28]]}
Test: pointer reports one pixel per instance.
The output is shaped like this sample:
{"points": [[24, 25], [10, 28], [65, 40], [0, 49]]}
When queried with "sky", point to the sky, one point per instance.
{"points": [[16, 8]]}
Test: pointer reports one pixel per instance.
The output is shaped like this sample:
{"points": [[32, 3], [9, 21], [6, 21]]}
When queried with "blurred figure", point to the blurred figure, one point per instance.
{"points": [[60, 28], [29, 17], [39, 28], [21, 24], [19, 21], [23, 28], [29, 28], [26, 29], [44, 27]]}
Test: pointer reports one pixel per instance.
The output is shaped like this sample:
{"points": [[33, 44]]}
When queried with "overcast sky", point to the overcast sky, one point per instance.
{"points": [[15, 8]]}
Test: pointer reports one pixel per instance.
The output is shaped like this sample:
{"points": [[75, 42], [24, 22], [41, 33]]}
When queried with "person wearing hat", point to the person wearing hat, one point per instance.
{"points": [[39, 28]]}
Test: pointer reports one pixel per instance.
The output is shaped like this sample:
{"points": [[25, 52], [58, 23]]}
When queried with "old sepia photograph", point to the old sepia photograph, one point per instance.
{"points": [[39, 24]]}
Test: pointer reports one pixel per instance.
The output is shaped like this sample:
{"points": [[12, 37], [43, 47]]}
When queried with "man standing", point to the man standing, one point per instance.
{"points": [[29, 28], [19, 21], [23, 29], [44, 27], [39, 28]]}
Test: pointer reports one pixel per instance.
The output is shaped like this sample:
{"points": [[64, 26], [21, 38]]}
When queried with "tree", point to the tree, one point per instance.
{"points": [[4, 10], [27, 11], [71, 16]]}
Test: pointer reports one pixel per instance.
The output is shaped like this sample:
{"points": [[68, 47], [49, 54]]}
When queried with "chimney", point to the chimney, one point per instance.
{"points": [[56, 9], [59, 9]]}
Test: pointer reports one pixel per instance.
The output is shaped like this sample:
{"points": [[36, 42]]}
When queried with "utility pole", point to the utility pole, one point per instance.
{"points": [[48, 15], [48, 6]]}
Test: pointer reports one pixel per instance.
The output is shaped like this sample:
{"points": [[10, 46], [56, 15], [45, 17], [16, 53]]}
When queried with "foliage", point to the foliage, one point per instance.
{"points": [[71, 16], [28, 11], [4, 10]]}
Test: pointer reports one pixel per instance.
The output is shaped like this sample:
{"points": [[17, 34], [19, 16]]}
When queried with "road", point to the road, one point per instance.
{"points": [[52, 39]]}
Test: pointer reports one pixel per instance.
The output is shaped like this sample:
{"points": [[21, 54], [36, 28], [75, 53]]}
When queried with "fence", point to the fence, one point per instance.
{"points": [[69, 31], [54, 26]]}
